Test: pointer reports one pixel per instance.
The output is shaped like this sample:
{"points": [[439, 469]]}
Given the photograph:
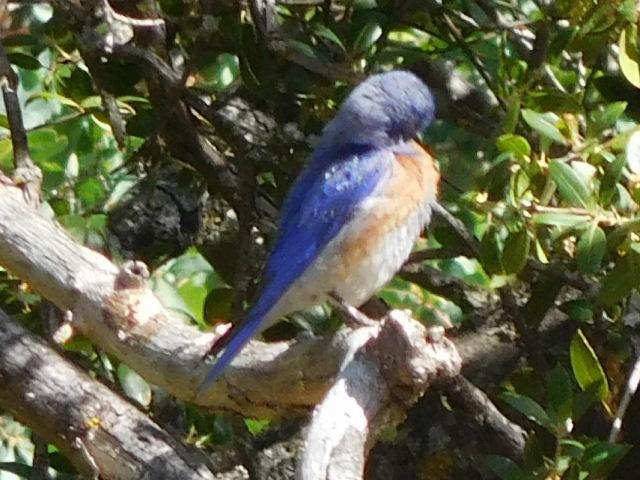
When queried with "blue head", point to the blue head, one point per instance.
{"points": [[384, 110]]}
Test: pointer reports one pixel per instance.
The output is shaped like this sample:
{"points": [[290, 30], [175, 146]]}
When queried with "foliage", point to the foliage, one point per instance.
{"points": [[537, 142]]}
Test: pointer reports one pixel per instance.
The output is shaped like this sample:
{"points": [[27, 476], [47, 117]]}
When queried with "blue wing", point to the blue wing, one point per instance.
{"points": [[320, 203]]}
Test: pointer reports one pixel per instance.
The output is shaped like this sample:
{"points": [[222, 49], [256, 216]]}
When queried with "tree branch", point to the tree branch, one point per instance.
{"points": [[383, 375], [101, 433], [26, 172], [116, 311], [508, 437]]}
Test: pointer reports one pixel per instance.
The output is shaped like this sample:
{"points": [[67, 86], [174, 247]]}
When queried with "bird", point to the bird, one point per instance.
{"points": [[351, 218]]}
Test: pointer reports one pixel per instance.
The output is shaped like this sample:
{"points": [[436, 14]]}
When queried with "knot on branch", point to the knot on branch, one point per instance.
{"points": [[132, 275], [131, 309], [412, 357]]}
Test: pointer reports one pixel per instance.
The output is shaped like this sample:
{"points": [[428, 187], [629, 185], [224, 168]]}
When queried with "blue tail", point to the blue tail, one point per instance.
{"points": [[240, 336]]}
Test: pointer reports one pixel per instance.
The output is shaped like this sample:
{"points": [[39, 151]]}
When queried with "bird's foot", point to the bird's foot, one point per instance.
{"points": [[350, 314]]}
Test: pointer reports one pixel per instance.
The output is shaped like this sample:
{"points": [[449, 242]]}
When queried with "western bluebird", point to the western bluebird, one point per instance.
{"points": [[352, 217]]}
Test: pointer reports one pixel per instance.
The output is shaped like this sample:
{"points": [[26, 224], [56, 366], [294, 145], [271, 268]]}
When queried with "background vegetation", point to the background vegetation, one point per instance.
{"points": [[170, 131]]}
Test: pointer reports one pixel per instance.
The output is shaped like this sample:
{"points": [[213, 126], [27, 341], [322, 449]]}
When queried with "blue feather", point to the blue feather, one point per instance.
{"points": [[320, 203]]}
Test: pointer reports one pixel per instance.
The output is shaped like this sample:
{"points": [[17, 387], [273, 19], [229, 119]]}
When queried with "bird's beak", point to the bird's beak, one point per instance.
{"points": [[419, 138]]}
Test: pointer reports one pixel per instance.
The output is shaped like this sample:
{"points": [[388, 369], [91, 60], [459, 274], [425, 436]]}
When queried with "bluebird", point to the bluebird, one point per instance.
{"points": [[350, 220]]}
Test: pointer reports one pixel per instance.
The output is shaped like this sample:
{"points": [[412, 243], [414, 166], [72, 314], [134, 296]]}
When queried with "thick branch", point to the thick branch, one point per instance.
{"points": [[383, 375], [117, 312], [98, 431]]}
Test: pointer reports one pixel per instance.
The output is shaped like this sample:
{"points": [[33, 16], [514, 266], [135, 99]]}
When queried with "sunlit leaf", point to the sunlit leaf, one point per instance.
{"points": [[516, 145], [628, 55], [134, 385], [559, 219], [586, 366], [573, 187], [606, 118], [633, 152], [529, 408], [256, 426], [591, 249], [544, 124], [367, 36]]}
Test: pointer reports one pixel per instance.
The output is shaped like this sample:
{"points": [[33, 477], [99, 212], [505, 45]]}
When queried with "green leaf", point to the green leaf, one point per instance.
{"points": [[256, 426], [302, 48], [16, 468], [586, 366], [491, 251], [90, 191], [92, 101], [624, 277], [48, 96], [510, 122], [217, 306], [559, 219], [369, 34], [628, 55], [516, 251], [134, 385], [601, 458], [516, 145], [529, 408], [193, 278], [560, 393], [591, 249], [505, 468], [327, 33], [23, 60], [556, 101], [572, 448], [579, 310], [573, 187], [632, 152], [544, 124], [606, 118]]}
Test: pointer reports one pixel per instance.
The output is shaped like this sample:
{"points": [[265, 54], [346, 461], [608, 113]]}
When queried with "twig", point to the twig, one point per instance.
{"points": [[27, 174], [40, 459], [134, 22], [460, 40], [506, 437], [435, 254], [629, 391], [473, 247], [266, 21], [561, 272]]}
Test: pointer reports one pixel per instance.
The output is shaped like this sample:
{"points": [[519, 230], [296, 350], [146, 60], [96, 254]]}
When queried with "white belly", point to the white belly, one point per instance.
{"points": [[355, 280]]}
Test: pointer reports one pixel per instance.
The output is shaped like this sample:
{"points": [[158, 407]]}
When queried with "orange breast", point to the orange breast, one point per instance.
{"points": [[413, 183]]}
